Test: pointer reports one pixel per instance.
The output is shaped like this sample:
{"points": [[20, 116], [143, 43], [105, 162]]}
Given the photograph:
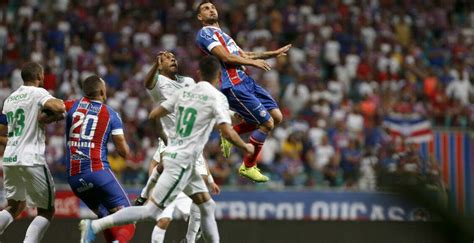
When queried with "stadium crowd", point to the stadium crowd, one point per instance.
{"points": [[351, 63]]}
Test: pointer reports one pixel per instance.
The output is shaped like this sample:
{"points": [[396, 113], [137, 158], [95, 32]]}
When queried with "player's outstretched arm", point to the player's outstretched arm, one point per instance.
{"points": [[267, 54], [228, 58], [228, 133], [55, 105], [121, 145]]}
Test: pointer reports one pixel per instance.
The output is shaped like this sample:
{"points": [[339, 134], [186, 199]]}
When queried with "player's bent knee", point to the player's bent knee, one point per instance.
{"points": [[163, 223], [277, 116], [200, 197]]}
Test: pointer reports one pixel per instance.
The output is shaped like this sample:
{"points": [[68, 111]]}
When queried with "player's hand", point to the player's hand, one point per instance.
{"points": [[282, 51], [249, 148], [262, 64], [158, 59], [215, 189]]}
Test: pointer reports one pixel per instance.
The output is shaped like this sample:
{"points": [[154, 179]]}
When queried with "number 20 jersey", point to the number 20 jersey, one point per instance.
{"points": [[26, 138], [89, 124]]}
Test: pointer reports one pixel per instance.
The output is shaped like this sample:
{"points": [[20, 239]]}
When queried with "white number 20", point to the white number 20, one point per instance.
{"points": [[83, 120]]}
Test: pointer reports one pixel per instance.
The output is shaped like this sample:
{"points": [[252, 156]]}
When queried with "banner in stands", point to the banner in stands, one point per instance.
{"points": [[293, 205]]}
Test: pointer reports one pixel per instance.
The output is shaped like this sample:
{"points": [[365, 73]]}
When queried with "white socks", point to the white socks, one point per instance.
{"points": [[5, 220], [128, 215], [150, 183], [36, 230], [194, 223], [158, 235], [208, 221]]}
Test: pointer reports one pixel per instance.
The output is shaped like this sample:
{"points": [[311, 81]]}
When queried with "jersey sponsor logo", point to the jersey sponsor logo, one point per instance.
{"points": [[194, 96], [171, 155], [79, 156], [18, 97], [83, 105], [10, 159]]}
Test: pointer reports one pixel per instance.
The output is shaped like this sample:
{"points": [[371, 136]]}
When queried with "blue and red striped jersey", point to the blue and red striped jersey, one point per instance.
{"points": [[209, 37], [89, 124]]}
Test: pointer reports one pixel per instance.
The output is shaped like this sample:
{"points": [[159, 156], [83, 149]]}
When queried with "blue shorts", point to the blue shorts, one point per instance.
{"points": [[99, 189], [251, 101]]}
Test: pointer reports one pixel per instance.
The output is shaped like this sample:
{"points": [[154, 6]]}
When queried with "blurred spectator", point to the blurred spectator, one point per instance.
{"points": [[351, 157], [221, 170], [296, 95], [117, 163], [332, 172]]}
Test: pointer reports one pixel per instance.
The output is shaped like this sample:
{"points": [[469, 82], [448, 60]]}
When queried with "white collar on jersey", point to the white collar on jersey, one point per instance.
{"points": [[211, 26]]}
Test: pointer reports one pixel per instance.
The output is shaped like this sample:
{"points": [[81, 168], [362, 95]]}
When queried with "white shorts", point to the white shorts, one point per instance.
{"points": [[182, 203], [176, 179], [200, 162], [33, 184]]}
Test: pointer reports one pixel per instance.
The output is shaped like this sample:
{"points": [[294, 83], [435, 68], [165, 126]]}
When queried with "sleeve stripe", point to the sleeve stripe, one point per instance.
{"points": [[213, 44], [118, 131]]}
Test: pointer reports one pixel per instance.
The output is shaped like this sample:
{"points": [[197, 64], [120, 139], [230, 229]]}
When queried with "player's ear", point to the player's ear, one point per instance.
{"points": [[199, 17]]}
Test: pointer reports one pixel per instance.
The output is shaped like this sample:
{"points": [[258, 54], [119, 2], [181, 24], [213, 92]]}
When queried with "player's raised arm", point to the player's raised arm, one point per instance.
{"points": [[267, 54], [150, 77], [222, 54]]}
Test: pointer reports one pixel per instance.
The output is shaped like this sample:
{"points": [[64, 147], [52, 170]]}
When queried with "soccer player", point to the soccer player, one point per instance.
{"points": [[89, 125], [197, 108], [163, 82], [27, 179], [246, 97]]}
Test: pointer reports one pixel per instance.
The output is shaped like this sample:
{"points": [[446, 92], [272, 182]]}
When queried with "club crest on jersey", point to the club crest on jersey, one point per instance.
{"points": [[263, 113]]}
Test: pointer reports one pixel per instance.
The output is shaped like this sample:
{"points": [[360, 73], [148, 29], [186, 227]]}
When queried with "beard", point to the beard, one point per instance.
{"points": [[212, 19]]}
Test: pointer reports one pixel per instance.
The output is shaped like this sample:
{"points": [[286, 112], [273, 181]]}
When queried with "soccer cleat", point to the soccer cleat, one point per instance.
{"points": [[87, 234], [139, 201], [253, 173], [226, 146]]}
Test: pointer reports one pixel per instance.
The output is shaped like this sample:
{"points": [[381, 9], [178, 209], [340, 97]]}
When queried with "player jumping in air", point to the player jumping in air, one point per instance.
{"points": [[27, 179], [89, 125], [163, 82], [197, 108], [246, 97]]}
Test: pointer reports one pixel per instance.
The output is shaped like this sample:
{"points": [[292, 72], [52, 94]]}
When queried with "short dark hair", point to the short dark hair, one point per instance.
{"points": [[91, 86], [198, 9], [209, 68], [30, 71]]}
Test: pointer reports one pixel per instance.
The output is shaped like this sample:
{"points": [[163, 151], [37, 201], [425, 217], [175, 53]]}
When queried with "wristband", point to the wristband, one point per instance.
{"points": [[210, 179]]}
